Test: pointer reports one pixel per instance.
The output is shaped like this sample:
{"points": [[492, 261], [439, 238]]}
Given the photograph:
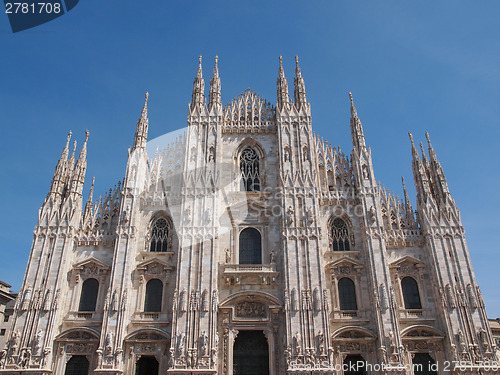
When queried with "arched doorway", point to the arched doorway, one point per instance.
{"points": [[354, 364], [423, 364], [251, 354], [77, 365], [146, 365]]}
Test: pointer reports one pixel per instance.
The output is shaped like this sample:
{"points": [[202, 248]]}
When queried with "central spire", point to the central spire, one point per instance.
{"points": [[198, 97], [283, 96]]}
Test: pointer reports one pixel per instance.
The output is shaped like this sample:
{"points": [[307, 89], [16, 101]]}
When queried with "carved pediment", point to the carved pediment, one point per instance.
{"points": [[408, 265], [423, 332], [154, 267], [345, 266], [91, 266]]}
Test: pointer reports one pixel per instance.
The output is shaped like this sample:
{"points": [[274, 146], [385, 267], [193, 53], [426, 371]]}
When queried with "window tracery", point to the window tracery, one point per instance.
{"points": [[340, 235], [250, 169], [160, 237]]}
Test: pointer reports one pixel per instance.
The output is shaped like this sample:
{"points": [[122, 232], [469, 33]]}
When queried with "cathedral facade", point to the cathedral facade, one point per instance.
{"points": [[249, 245]]}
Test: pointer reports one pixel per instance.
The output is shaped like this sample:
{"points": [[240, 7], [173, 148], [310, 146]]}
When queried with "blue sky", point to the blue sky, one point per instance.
{"points": [[411, 66]]}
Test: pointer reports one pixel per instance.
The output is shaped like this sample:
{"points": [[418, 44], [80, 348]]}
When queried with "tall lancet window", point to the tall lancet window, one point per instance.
{"points": [[340, 235], [250, 246], [160, 232], [250, 170], [411, 295]]}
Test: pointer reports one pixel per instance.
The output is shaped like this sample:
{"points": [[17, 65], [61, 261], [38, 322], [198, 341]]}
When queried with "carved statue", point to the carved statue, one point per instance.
{"points": [[289, 214], [3, 354], [114, 301], [24, 358], [37, 342], [321, 343], [298, 344], [204, 343], [181, 339], [109, 342], [272, 257], [228, 255]]}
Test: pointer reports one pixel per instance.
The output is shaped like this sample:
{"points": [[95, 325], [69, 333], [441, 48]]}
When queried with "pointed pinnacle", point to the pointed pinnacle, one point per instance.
{"points": [[354, 112], [91, 193], [281, 71], [297, 68], [432, 153], [199, 74], [216, 68], [65, 151], [144, 112]]}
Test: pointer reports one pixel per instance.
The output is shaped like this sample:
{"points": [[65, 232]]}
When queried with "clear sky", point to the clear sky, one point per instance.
{"points": [[412, 66]]}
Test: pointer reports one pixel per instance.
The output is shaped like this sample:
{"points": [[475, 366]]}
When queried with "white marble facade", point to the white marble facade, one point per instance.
{"points": [[247, 227]]}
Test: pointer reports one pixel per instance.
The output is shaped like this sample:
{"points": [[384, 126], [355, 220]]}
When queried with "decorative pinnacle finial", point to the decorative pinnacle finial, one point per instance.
{"points": [[86, 136], [297, 60], [69, 137], [411, 138], [199, 59], [354, 112], [428, 139], [216, 59]]}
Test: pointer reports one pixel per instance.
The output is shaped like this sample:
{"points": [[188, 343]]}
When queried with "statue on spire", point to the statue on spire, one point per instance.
{"points": [[299, 92], [198, 97], [357, 134], [215, 88], [283, 96], [141, 131]]}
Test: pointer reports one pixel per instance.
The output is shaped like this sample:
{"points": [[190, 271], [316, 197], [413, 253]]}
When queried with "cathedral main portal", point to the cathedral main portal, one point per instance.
{"points": [[251, 354]]}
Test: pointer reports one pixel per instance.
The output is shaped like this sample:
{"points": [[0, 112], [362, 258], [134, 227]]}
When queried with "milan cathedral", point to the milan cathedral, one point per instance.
{"points": [[244, 245]]}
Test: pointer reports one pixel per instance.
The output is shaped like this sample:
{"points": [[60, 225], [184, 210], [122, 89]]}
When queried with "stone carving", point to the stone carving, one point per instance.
{"points": [[37, 342], [205, 301], [109, 342], [24, 358], [183, 300], [321, 343], [294, 305], [297, 342], [181, 341], [48, 300], [114, 301], [204, 343], [450, 296], [227, 253], [250, 310], [316, 300], [3, 354], [27, 298], [472, 297], [215, 300], [289, 215], [272, 257], [384, 300]]}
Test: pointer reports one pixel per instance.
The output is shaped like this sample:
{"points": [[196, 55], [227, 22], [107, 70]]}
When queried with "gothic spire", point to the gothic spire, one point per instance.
{"points": [[437, 172], [299, 91], [410, 218], [198, 97], [215, 88], [78, 177], [65, 151], [87, 214], [141, 131], [419, 173], [59, 179], [282, 94], [358, 137]]}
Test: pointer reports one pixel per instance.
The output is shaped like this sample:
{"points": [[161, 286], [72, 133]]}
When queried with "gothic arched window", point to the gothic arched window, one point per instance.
{"points": [[411, 295], [354, 364], [347, 294], [160, 232], [250, 170], [88, 298], [154, 292], [340, 235], [423, 364], [250, 246], [77, 365]]}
